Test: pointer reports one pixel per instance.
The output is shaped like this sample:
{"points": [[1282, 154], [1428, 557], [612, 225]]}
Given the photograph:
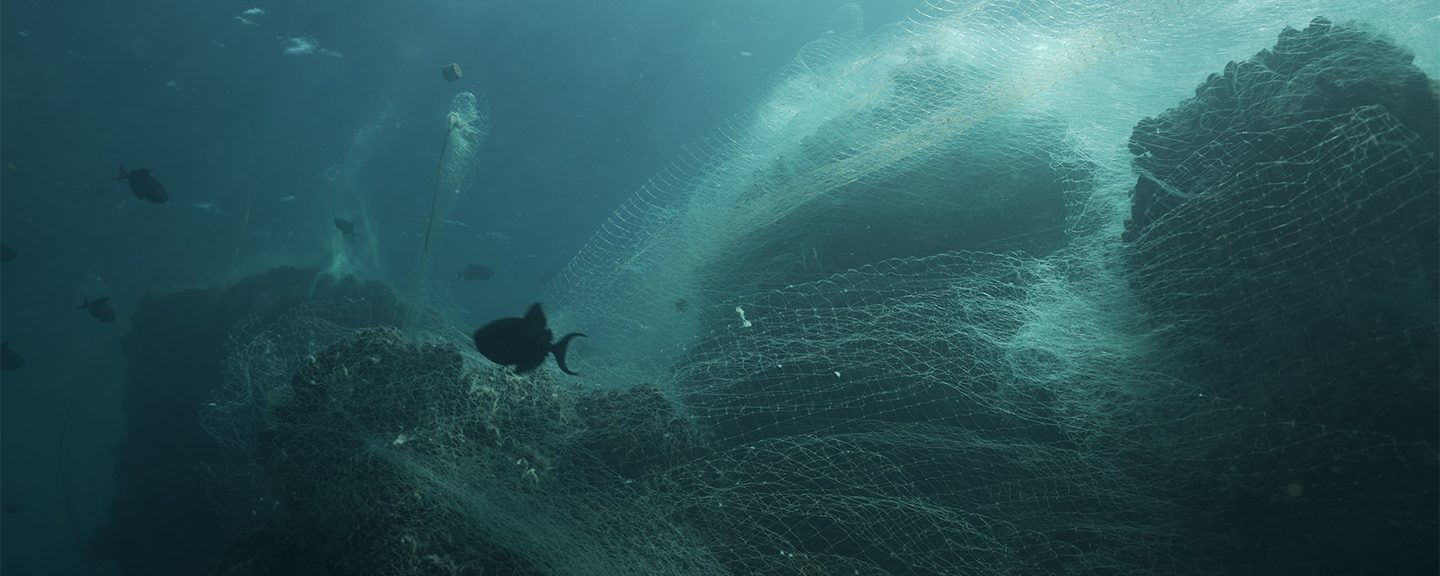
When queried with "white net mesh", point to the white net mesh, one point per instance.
{"points": [[893, 321], [467, 124]]}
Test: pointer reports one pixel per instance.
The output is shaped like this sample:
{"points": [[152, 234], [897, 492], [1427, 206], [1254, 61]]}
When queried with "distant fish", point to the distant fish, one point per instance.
{"points": [[254, 12], [10, 359], [245, 21], [476, 273], [300, 45], [345, 227], [100, 309], [7, 253], [522, 342], [143, 185]]}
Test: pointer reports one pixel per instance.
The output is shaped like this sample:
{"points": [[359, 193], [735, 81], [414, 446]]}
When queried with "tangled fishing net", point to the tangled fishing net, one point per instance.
{"points": [[922, 312]]}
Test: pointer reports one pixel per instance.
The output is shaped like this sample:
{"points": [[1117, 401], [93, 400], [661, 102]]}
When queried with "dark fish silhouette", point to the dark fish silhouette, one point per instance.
{"points": [[7, 253], [345, 227], [100, 309], [476, 273], [10, 359], [522, 342], [143, 185]]}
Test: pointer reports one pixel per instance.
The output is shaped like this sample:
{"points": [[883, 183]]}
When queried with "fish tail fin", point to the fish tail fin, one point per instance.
{"points": [[123, 174], [559, 350]]}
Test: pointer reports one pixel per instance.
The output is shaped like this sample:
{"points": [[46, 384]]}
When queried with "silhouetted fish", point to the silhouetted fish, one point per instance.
{"points": [[476, 273], [143, 185], [522, 342], [345, 227], [10, 359], [7, 253], [100, 309]]}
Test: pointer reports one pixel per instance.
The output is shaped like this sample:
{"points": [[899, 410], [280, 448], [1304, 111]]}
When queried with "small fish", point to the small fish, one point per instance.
{"points": [[100, 309], [345, 227], [682, 305], [143, 185], [522, 342], [7, 253], [254, 12], [475, 273], [10, 359]]}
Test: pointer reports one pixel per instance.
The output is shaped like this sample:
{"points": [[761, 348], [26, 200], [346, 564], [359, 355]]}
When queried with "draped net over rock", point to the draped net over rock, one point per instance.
{"points": [[894, 320]]}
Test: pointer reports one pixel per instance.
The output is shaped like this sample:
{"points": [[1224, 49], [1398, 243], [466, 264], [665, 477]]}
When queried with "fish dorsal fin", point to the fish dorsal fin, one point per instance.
{"points": [[535, 315]]}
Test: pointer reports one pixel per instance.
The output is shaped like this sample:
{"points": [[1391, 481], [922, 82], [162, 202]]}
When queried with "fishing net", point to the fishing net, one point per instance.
{"points": [[894, 320]]}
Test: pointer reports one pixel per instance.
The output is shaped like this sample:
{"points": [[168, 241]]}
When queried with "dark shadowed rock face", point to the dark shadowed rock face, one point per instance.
{"points": [[174, 359], [1285, 229]]}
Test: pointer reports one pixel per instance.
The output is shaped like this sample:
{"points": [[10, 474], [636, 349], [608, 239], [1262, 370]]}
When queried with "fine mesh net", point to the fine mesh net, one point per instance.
{"points": [[467, 125], [1291, 205], [922, 311], [937, 429]]}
